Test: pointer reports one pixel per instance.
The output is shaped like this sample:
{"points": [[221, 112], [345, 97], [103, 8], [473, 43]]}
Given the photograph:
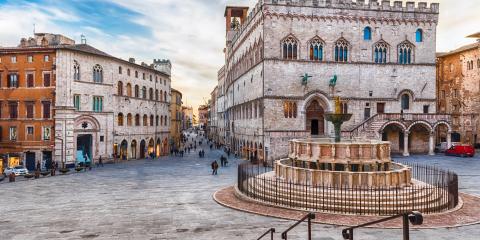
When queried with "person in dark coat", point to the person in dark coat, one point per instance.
{"points": [[214, 167], [100, 161]]}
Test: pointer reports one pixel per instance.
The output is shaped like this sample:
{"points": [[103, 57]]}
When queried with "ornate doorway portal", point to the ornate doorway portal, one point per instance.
{"points": [[315, 118]]}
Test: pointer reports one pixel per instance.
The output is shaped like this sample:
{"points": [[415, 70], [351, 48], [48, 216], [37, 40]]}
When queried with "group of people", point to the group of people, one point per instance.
{"points": [[223, 163], [201, 153]]}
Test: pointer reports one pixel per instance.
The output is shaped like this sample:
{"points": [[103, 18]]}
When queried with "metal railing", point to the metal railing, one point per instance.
{"points": [[415, 218], [270, 231], [307, 217], [437, 192]]}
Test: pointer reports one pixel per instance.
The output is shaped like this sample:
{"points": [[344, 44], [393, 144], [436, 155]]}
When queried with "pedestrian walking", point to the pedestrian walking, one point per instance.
{"points": [[100, 161], [214, 167]]}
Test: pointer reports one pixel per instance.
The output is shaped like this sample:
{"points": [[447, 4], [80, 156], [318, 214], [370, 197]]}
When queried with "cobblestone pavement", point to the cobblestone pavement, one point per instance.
{"points": [[170, 198]]}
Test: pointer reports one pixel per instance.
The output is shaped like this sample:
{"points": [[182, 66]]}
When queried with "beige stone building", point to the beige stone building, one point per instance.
{"points": [[176, 119], [108, 107], [286, 60], [458, 80]]}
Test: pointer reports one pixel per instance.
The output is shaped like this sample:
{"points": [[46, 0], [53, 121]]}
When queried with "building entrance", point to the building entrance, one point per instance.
{"points": [[84, 149]]}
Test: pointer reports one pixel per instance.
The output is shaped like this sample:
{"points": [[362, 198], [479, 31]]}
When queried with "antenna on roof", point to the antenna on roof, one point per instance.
{"points": [[83, 39]]}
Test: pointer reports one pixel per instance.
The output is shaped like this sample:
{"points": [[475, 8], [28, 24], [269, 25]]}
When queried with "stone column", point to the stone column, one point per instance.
{"points": [[405, 144], [449, 140], [431, 145]]}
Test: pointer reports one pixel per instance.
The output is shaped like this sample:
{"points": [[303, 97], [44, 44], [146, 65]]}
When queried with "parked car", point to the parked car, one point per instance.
{"points": [[442, 147], [17, 170], [461, 150]]}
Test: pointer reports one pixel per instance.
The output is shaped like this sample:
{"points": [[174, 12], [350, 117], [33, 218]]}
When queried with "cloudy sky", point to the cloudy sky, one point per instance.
{"points": [[188, 32]]}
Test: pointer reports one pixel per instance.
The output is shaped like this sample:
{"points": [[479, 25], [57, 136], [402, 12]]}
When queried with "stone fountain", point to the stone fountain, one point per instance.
{"points": [[337, 118]]}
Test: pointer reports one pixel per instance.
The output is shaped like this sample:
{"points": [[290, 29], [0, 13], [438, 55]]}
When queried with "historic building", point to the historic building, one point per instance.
{"points": [[287, 59], [203, 116], [108, 107], [27, 98], [212, 124], [73, 103], [188, 118], [458, 84], [176, 119]]}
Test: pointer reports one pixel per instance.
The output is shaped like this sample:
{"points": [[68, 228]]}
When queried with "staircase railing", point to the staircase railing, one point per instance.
{"points": [[307, 217], [415, 218], [270, 231], [361, 125]]}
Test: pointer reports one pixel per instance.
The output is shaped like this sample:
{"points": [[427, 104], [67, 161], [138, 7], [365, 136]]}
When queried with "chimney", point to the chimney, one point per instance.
{"points": [[132, 60]]}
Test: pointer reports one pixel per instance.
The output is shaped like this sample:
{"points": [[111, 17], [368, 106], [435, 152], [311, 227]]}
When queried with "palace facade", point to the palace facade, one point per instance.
{"points": [[285, 60]]}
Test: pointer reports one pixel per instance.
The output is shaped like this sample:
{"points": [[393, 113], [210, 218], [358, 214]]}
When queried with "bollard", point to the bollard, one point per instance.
{"points": [[11, 177]]}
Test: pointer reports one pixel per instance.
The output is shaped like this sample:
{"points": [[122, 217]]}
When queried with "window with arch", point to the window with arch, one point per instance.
{"points": [[137, 120], [405, 53], [137, 91], [120, 88], [151, 120], [136, 74], [419, 35], [129, 119], [405, 101], [120, 119], [478, 63], [145, 120], [161, 95], [97, 74], [144, 92], [150, 93], [341, 50], [380, 51], [128, 71], [161, 120], [316, 49], [166, 121], [76, 71], [157, 120], [290, 109], [165, 96], [129, 89], [367, 33], [119, 69], [156, 94], [290, 48]]}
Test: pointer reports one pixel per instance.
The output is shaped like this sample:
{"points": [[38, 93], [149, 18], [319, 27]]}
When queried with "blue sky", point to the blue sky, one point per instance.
{"points": [[188, 32]]}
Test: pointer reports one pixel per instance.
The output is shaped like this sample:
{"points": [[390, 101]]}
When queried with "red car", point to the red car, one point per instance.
{"points": [[461, 150]]}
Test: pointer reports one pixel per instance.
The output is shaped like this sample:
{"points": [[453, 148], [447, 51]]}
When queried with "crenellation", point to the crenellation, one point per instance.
{"points": [[359, 4]]}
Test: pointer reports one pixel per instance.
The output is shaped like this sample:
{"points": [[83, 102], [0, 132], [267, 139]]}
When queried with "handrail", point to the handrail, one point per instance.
{"points": [[271, 231], [361, 124], [415, 218], [309, 217]]}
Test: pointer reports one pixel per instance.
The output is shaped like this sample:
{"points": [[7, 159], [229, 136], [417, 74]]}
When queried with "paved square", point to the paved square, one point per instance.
{"points": [[170, 198]]}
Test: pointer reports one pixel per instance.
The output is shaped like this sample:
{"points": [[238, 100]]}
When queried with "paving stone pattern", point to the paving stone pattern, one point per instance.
{"points": [[169, 198]]}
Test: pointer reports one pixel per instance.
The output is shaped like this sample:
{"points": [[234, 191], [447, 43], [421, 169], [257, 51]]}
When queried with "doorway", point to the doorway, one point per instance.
{"points": [[314, 127], [142, 149], [315, 118], [84, 148], [30, 161], [47, 159]]}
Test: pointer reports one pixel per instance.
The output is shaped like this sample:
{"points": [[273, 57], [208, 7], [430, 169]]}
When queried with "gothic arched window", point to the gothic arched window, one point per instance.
{"points": [[129, 89], [76, 71], [367, 33], [151, 120], [137, 91], [341, 50], [97, 74], [129, 119], [120, 119], [137, 120], [290, 48], [405, 53], [380, 51], [156, 94], [120, 88], [316, 49], [150, 93], [145, 120], [419, 35], [405, 102]]}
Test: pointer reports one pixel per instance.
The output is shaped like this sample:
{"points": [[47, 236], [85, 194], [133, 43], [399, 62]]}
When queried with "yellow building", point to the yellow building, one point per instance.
{"points": [[176, 119]]}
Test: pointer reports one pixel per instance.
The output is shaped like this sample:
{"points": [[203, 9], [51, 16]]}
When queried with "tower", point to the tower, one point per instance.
{"points": [[234, 18]]}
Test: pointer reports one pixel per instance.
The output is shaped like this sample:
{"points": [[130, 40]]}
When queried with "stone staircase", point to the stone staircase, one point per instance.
{"points": [[370, 128], [425, 198]]}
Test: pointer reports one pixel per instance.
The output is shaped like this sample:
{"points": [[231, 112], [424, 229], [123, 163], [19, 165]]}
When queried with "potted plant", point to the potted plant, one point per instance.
{"points": [[45, 173], [64, 170], [78, 168]]}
